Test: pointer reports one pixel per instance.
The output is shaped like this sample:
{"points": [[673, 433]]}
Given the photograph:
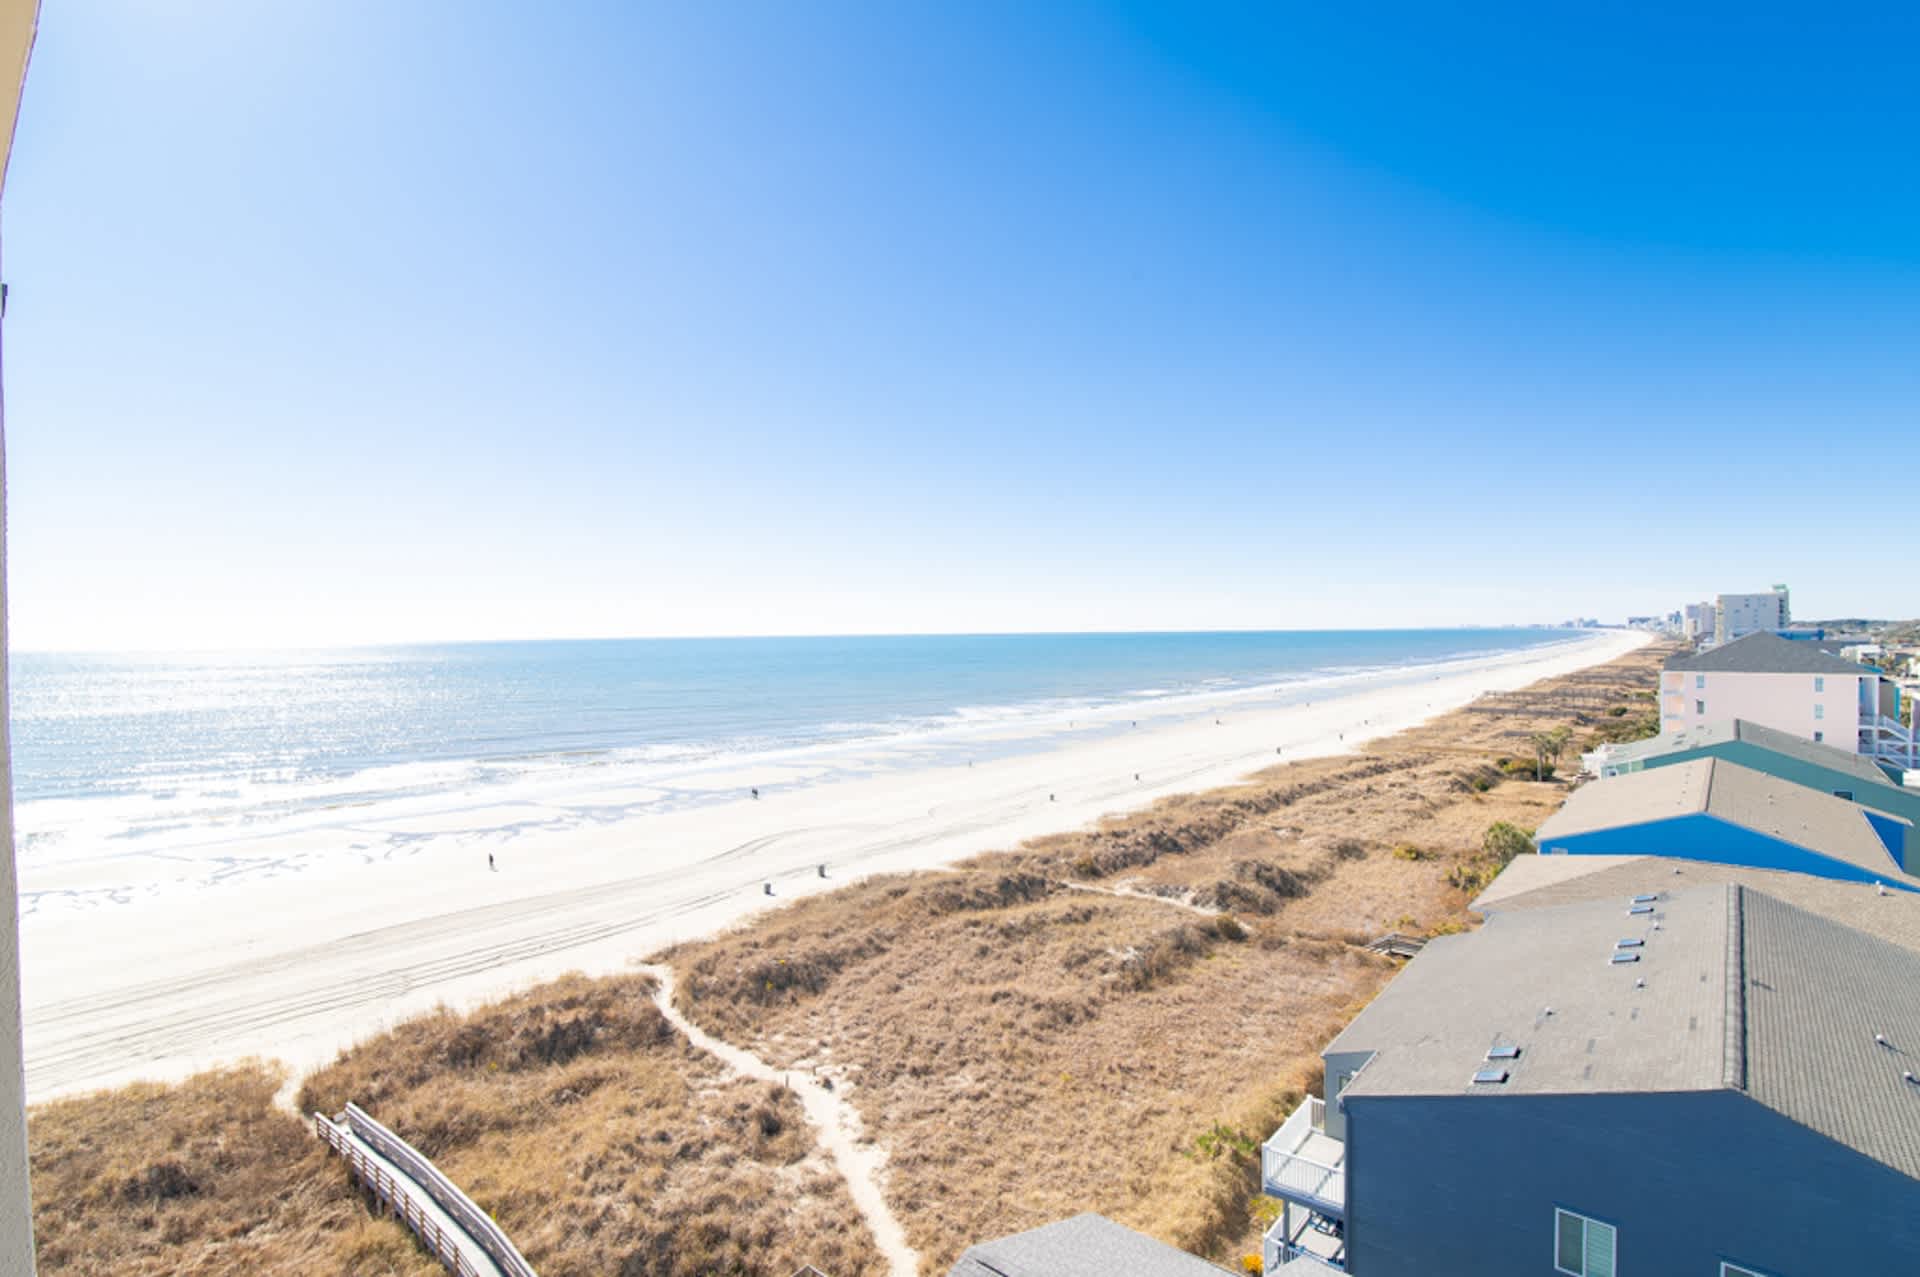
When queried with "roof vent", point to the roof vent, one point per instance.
{"points": [[1881, 1039], [1493, 1077], [1909, 1076], [1639, 982]]}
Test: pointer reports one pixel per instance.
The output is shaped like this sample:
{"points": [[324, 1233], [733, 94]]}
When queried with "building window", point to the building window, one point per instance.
{"points": [[1819, 684], [1582, 1247], [1699, 680], [1699, 707], [1738, 1270], [1818, 737], [1819, 711], [1844, 793]]}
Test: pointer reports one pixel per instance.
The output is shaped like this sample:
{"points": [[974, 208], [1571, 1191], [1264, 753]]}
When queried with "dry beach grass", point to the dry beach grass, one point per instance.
{"points": [[598, 1138], [1024, 1049]]}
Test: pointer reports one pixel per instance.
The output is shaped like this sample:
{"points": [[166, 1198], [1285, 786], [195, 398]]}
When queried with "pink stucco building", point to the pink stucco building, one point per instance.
{"points": [[1791, 685]]}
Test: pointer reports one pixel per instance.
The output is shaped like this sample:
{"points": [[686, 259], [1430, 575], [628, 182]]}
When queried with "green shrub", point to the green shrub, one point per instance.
{"points": [[1505, 840]]}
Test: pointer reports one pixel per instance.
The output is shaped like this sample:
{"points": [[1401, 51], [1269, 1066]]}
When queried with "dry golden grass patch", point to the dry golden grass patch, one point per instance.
{"points": [[202, 1178], [1027, 1052], [1034, 1059], [1024, 1051], [602, 1142], [573, 1112]]}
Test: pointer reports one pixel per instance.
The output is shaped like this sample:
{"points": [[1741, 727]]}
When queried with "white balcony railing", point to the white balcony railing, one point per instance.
{"points": [[1301, 1163]]}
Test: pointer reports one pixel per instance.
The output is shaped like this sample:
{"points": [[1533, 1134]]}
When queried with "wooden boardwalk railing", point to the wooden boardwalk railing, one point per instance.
{"points": [[459, 1233]]}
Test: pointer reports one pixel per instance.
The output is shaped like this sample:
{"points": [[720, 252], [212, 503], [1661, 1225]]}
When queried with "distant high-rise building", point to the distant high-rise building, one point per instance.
{"points": [[1737, 615], [1696, 621]]}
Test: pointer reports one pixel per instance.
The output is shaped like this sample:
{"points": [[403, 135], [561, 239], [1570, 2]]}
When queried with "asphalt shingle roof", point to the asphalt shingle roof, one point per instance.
{"points": [[1087, 1245], [1544, 980], [1820, 823], [1766, 654], [1774, 741], [1541, 882], [1741, 991], [1816, 995]]}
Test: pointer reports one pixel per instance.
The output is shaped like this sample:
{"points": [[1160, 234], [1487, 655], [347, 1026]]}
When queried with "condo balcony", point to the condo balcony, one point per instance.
{"points": [[1305, 1168], [1300, 1231], [1301, 1163]]}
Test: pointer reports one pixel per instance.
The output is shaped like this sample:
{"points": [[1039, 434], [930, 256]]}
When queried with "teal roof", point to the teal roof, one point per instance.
{"points": [[1725, 731]]}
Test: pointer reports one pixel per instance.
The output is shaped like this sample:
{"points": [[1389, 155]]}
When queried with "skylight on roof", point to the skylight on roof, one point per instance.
{"points": [[1648, 898], [1639, 909], [1489, 1077], [1629, 943], [1504, 1053], [1627, 956]]}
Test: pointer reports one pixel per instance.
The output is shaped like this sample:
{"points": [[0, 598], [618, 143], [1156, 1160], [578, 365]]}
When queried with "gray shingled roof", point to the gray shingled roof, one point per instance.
{"points": [[1541, 882], [1766, 654], [1741, 991], [1087, 1245], [1463, 994], [1816, 995], [1722, 731], [1820, 823]]}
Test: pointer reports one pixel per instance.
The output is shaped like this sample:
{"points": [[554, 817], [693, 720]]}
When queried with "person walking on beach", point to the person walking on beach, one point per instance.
{"points": [[490, 863]]}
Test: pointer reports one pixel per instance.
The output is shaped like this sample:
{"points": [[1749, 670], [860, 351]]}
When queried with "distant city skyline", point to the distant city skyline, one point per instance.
{"points": [[354, 324]]}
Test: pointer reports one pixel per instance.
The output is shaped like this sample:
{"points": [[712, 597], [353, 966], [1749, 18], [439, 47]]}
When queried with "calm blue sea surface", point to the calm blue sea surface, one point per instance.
{"points": [[104, 726]]}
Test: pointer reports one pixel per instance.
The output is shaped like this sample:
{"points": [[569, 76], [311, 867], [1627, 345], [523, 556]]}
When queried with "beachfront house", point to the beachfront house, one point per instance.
{"points": [[1715, 810], [1543, 882], [1701, 1082], [1087, 1245], [1792, 686], [1779, 754]]}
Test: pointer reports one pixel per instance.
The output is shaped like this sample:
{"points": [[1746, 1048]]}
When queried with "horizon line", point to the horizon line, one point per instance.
{"points": [[366, 645]]}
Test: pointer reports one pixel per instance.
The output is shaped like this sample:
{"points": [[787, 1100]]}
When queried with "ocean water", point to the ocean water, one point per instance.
{"points": [[145, 743]]}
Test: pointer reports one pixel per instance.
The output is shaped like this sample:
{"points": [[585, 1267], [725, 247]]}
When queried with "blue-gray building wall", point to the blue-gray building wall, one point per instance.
{"points": [[1701, 836], [1466, 1186], [1893, 801]]}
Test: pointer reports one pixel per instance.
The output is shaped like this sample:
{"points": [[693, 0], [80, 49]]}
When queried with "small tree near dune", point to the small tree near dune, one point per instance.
{"points": [[1504, 840]]}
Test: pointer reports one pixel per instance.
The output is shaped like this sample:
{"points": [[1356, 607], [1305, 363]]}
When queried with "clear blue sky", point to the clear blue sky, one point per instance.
{"points": [[339, 322]]}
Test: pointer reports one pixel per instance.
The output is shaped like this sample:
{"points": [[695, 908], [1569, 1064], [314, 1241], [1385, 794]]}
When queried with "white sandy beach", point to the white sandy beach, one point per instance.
{"points": [[297, 938]]}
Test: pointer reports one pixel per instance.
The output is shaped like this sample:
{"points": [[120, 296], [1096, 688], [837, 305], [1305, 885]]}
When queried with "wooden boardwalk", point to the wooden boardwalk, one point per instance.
{"points": [[459, 1233]]}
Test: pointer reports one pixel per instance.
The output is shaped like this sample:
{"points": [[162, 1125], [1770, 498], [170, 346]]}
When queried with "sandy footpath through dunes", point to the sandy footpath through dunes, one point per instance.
{"points": [[836, 1124], [297, 967]]}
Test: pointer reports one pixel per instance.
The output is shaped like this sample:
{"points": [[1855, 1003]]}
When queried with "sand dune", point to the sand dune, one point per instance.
{"points": [[164, 976]]}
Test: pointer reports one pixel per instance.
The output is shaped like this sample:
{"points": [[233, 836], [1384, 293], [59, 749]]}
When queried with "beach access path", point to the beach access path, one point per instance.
{"points": [[300, 966]]}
